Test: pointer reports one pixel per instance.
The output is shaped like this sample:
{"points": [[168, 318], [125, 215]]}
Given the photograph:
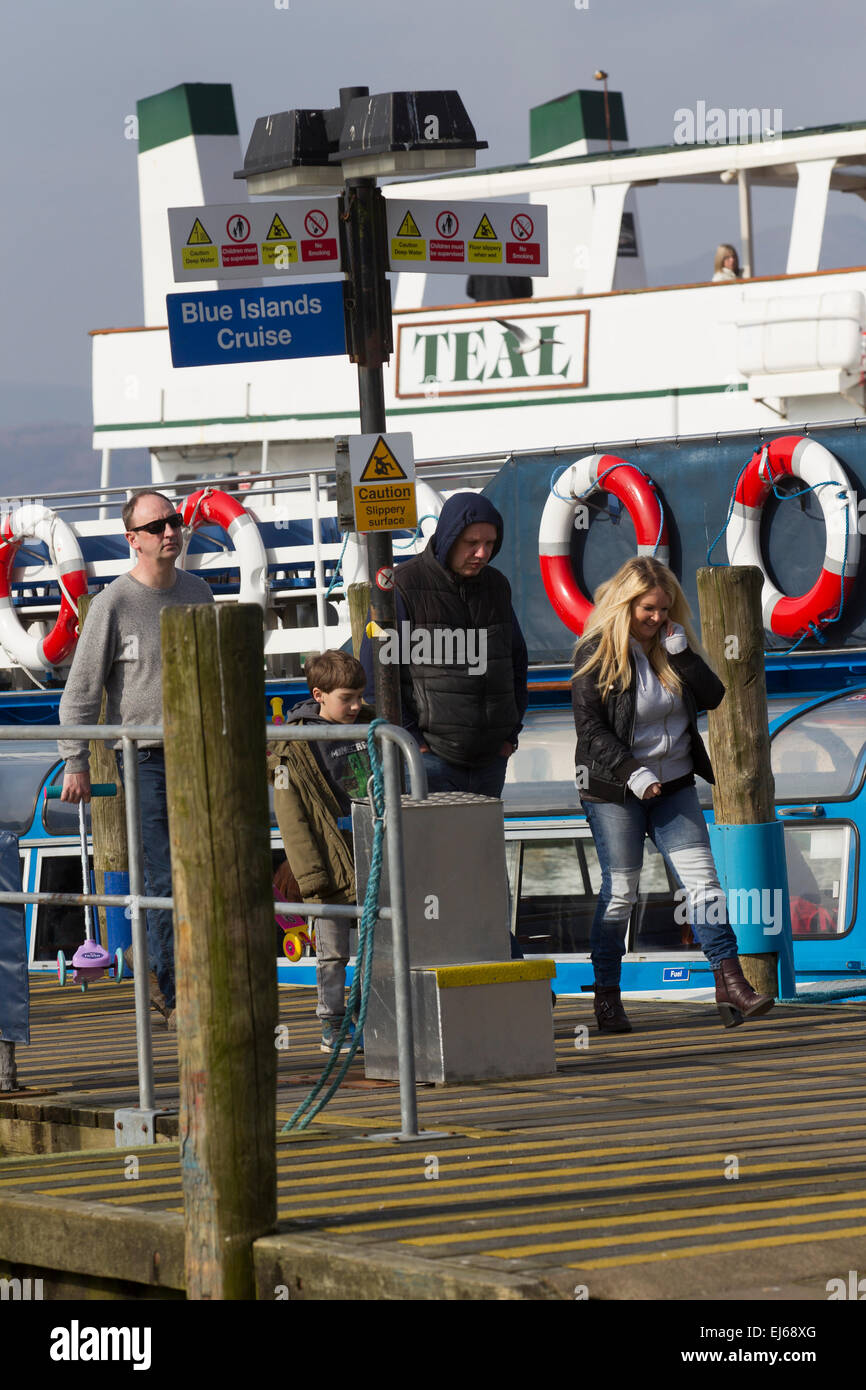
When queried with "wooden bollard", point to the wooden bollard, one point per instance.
{"points": [[359, 605], [214, 717], [733, 633], [107, 813]]}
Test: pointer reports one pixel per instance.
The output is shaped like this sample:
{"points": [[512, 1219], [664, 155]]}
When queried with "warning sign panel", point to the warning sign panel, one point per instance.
{"points": [[381, 465], [408, 227], [254, 239], [278, 230], [429, 236], [382, 468], [484, 230], [408, 244], [200, 253], [386, 508], [485, 246]]}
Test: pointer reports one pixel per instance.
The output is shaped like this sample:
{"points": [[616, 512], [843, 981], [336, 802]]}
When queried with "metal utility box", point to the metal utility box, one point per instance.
{"points": [[478, 1015], [456, 883]]}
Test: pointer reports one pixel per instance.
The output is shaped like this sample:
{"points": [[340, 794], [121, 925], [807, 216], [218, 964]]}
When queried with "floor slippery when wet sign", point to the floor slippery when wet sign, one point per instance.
{"points": [[244, 241], [214, 327], [478, 238]]}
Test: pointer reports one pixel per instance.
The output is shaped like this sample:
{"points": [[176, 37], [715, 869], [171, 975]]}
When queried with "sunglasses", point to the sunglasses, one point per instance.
{"points": [[156, 528]]}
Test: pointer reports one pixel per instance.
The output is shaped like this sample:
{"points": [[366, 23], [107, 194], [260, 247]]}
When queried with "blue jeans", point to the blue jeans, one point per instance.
{"points": [[677, 828], [157, 865], [448, 777]]}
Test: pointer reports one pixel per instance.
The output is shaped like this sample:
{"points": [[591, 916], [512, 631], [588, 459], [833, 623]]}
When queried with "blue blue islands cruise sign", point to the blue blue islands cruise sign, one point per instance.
{"points": [[220, 326]]}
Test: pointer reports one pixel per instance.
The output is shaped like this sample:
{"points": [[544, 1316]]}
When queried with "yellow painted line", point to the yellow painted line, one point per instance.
{"points": [[607, 1223], [590, 1179], [495, 973], [521, 1146], [534, 1208], [722, 1248], [647, 1237], [287, 1211]]}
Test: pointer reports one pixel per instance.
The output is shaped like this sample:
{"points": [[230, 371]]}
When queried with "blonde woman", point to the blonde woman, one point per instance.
{"points": [[639, 682], [727, 263]]}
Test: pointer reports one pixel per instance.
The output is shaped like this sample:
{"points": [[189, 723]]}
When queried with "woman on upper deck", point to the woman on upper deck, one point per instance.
{"points": [[727, 264], [638, 685]]}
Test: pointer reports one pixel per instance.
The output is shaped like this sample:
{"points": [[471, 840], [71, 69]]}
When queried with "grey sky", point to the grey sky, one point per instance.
{"points": [[72, 73]]}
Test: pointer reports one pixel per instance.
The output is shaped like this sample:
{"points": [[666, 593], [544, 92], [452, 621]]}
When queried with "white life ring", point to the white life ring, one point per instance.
{"points": [[637, 493], [796, 456], [210, 506], [429, 503], [35, 651]]}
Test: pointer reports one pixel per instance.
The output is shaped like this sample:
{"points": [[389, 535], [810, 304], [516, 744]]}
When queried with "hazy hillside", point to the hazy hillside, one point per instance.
{"points": [[36, 460]]}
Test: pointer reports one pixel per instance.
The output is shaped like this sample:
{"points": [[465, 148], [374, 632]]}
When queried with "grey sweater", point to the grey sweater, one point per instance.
{"points": [[119, 649]]}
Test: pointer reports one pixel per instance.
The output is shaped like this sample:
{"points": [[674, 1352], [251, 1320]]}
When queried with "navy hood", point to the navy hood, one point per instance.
{"points": [[462, 510]]}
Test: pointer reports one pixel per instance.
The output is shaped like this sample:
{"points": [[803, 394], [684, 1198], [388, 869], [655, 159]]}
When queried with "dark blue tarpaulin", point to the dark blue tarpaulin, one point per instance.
{"points": [[14, 989], [695, 479]]}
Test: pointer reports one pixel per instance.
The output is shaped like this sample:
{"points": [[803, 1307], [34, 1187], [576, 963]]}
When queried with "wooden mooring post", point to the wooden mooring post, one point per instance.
{"points": [[214, 718], [733, 633]]}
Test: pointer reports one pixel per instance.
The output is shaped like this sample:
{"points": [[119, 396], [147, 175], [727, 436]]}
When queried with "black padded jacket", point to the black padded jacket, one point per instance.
{"points": [[605, 728]]}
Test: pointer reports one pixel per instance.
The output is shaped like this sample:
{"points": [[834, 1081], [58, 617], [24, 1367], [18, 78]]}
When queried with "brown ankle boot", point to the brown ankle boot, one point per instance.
{"points": [[735, 998], [609, 1012]]}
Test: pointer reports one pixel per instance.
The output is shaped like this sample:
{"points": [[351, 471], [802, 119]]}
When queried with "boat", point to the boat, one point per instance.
{"points": [[690, 387]]}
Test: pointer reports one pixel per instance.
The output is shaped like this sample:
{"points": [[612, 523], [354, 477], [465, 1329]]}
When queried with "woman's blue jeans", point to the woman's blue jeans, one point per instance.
{"points": [[677, 828]]}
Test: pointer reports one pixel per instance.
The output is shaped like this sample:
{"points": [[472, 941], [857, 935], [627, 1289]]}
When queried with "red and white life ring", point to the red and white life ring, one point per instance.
{"points": [[32, 649], [799, 457], [558, 520], [215, 508]]}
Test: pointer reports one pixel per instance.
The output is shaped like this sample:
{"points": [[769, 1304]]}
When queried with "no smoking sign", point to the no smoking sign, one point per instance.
{"points": [[385, 578]]}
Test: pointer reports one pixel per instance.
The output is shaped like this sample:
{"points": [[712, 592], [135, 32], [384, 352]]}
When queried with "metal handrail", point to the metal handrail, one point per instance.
{"points": [[136, 901]]}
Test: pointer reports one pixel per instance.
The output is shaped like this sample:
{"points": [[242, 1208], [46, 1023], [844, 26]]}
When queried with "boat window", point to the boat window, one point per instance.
{"points": [[820, 755], [558, 886], [59, 928], [23, 767], [820, 864]]}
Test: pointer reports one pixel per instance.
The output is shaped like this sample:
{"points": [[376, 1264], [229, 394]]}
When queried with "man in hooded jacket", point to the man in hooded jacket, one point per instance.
{"points": [[462, 656]]}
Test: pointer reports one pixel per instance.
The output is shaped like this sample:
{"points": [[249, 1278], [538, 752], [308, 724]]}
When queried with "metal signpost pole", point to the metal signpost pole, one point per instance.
{"points": [[368, 300]]}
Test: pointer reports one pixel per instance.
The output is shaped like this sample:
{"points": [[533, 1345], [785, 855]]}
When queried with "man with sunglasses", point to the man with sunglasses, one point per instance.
{"points": [[119, 649]]}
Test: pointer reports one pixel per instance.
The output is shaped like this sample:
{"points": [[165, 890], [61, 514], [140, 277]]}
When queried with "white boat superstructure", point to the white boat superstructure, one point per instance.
{"points": [[592, 354]]}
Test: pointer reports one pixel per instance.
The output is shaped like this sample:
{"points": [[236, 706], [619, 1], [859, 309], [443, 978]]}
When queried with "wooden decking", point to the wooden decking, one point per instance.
{"points": [[680, 1161]]}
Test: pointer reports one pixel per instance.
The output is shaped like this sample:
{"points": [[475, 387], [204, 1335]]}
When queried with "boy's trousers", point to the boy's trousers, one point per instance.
{"points": [[332, 957]]}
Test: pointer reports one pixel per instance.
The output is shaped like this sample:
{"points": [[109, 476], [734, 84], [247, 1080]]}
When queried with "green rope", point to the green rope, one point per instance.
{"points": [[360, 989]]}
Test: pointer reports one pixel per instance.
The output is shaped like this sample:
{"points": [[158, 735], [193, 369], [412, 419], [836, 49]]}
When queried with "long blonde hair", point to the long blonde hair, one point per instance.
{"points": [[610, 623], [722, 254]]}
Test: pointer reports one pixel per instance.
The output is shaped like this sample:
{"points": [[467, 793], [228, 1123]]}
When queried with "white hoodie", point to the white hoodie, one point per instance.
{"points": [[661, 731]]}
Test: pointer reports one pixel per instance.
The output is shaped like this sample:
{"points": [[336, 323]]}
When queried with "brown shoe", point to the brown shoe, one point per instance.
{"points": [[735, 998], [171, 1021], [609, 1012]]}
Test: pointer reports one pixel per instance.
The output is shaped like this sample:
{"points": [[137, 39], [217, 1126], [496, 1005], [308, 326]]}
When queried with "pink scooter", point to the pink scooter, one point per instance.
{"points": [[91, 961]]}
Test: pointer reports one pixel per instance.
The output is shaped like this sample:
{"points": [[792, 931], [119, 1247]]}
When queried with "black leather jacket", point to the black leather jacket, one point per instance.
{"points": [[605, 728]]}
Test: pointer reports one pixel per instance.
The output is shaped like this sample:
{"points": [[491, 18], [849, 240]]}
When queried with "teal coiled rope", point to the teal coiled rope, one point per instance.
{"points": [[359, 992]]}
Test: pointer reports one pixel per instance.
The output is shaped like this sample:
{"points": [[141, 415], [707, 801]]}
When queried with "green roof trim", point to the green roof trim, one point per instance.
{"points": [[193, 108], [576, 116]]}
